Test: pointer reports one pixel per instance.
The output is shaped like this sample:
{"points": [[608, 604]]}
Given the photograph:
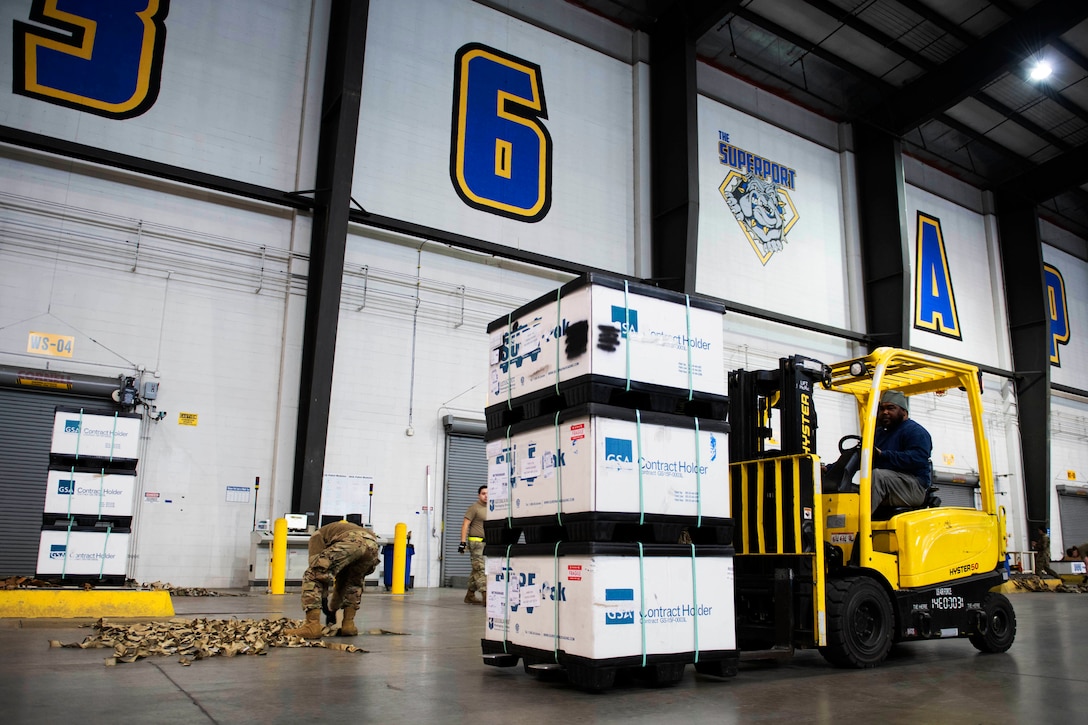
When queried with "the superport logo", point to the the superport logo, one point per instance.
{"points": [[964, 569], [621, 616], [57, 551]]}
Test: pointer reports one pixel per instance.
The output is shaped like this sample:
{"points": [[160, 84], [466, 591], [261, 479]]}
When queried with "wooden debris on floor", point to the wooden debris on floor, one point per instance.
{"points": [[199, 639]]}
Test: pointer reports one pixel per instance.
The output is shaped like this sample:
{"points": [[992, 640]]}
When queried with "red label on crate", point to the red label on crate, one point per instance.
{"points": [[574, 572], [577, 431]]}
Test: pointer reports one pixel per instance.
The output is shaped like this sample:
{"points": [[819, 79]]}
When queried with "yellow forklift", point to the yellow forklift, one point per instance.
{"points": [[813, 567]]}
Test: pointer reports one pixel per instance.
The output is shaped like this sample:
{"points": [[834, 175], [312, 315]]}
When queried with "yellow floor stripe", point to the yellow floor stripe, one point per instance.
{"points": [[66, 604]]}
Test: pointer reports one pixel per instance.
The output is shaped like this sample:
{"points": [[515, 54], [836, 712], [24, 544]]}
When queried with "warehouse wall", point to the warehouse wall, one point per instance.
{"points": [[206, 294]]}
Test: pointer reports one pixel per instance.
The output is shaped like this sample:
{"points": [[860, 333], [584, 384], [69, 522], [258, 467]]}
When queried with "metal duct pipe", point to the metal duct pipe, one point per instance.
{"points": [[58, 382]]}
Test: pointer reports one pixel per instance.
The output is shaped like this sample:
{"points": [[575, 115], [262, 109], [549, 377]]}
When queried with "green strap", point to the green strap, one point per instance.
{"points": [[642, 599], [105, 544], [695, 601], [687, 320], [79, 433], [558, 476], [506, 613], [641, 489], [555, 624], [113, 436], [509, 361], [698, 479], [509, 480], [72, 480], [559, 330], [67, 539], [101, 492], [627, 332]]}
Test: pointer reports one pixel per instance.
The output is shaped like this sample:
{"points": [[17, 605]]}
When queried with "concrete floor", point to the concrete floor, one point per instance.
{"points": [[434, 674]]}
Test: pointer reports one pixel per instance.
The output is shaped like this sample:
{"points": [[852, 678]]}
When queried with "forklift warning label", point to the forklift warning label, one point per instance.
{"points": [[574, 572], [842, 538]]}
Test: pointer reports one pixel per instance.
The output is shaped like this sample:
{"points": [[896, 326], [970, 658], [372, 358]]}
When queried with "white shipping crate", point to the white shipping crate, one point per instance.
{"points": [[597, 458], [81, 553], [90, 492], [595, 326], [606, 604], [81, 433]]}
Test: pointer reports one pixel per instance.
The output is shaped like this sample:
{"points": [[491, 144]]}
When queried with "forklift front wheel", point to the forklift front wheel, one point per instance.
{"points": [[859, 623]]}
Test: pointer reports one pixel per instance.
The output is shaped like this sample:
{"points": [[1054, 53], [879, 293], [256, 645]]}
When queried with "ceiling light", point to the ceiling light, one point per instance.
{"points": [[1041, 70]]}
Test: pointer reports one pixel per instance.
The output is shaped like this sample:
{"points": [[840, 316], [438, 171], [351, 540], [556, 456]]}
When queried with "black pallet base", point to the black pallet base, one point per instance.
{"points": [[660, 670], [81, 580], [620, 528], [607, 391], [85, 522]]}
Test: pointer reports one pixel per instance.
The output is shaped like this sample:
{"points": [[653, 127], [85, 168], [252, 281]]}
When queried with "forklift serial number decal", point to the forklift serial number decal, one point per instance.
{"points": [[946, 603]]}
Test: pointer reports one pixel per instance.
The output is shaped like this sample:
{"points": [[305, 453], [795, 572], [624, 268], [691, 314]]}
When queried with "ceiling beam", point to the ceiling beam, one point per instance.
{"points": [[965, 73], [1050, 178], [708, 14]]}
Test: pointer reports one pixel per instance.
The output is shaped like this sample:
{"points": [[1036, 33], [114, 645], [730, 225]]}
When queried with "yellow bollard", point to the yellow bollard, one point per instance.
{"points": [[400, 557], [277, 581]]}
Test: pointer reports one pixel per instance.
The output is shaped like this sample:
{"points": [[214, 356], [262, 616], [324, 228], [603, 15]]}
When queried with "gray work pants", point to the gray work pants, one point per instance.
{"points": [[896, 489], [893, 489]]}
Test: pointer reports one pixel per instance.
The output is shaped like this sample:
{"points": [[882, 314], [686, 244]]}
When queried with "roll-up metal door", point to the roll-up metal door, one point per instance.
{"points": [[953, 494], [26, 434], [1073, 509], [466, 471]]}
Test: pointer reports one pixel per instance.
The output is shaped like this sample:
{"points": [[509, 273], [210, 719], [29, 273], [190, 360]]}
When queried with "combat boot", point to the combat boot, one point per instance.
{"points": [[312, 629], [470, 597], [347, 627]]}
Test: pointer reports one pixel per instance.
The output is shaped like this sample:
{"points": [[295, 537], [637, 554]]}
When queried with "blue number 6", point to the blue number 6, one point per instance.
{"points": [[500, 153], [102, 57]]}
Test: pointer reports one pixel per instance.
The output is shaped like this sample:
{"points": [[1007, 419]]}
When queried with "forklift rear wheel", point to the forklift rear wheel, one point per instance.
{"points": [[1000, 622], [859, 623]]}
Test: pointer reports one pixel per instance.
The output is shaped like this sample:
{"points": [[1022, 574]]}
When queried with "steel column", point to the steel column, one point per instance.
{"points": [[883, 235], [674, 165], [1029, 325], [335, 163]]}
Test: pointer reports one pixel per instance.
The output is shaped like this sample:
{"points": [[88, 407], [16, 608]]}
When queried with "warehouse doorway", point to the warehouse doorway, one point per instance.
{"points": [[26, 434], [466, 471]]}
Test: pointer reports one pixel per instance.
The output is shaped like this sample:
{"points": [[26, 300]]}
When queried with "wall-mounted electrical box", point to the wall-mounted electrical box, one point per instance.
{"points": [[151, 390]]}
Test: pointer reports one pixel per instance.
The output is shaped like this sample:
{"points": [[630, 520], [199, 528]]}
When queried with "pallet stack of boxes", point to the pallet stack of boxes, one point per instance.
{"points": [[609, 530], [91, 487]]}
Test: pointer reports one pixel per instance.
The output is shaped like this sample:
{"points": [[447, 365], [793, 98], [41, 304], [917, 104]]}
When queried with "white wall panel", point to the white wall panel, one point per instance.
{"points": [[1073, 354], [386, 381], [969, 264], [184, 311], [806, 276], [231, 92], [402, 166]]}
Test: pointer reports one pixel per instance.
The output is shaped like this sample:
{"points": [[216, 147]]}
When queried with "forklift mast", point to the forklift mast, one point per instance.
{"points": [[777, 534], [754, 394]]}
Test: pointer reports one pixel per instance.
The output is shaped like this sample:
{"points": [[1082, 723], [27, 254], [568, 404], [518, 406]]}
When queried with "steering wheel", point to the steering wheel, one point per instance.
{"points": [[843, 448]]}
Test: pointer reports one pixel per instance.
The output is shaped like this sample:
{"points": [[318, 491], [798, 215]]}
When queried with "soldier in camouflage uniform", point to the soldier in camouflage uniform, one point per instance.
{"points": [[472, 538], [341, 555]]}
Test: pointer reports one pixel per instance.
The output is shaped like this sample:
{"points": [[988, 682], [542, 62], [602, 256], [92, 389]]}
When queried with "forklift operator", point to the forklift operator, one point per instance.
{"points": [[901, 452]]}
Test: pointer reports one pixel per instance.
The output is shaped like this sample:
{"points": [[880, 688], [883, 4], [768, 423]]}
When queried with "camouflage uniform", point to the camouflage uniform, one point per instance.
{"points": [[341, 555], [477, 581], [477, 514]]}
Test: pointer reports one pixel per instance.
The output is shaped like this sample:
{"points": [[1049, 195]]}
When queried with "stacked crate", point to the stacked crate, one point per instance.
{"points": [[607, 457], [91, 487]]}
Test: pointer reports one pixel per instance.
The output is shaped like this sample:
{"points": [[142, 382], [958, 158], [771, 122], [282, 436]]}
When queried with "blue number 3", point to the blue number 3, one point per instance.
{"points": [[500, 154], [100, 57]]}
